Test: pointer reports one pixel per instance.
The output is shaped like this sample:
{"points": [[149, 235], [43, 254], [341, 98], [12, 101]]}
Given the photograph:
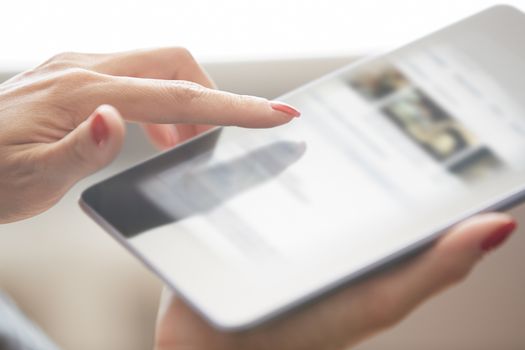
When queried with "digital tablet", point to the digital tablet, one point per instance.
{"points": [[388, 153]]}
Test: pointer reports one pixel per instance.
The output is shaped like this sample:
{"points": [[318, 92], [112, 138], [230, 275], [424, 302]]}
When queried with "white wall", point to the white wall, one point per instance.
{"points": [[33, 30]]}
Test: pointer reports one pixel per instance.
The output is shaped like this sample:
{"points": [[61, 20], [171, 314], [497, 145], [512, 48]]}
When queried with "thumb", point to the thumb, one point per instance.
{"points": [[90, 146]]}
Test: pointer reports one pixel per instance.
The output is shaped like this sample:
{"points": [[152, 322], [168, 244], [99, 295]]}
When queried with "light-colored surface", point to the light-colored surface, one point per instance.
{"points": [[33, 30], [88, 293]]}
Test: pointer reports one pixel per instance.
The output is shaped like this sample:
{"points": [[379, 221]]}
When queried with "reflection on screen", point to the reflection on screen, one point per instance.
{"points": [[200, 189], [385, 151], [424, 121]]}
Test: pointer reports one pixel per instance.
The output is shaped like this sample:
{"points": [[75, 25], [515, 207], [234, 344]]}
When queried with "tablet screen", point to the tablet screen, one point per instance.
{"points": [[386, 153]]}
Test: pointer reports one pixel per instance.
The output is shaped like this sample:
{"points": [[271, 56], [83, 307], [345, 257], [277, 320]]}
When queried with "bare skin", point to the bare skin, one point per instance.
{"points": [[47, 117], [62, 121], [350, 315]]}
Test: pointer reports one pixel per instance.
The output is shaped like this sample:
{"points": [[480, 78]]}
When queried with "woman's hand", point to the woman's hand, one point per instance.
{"points": [[352, 314], [61, 121]]}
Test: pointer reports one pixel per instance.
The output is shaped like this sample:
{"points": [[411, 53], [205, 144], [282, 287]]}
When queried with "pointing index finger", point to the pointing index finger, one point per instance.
{"points": [[179, 101]]}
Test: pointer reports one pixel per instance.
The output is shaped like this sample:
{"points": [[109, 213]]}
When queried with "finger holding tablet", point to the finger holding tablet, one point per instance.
{"points": [[350, 315]]}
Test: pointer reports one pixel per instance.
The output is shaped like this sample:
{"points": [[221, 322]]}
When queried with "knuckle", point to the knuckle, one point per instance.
{"points": [[453, 272], [385, 311], [240, 100], [187, 92], [69, 81], [60, 61], [69, 92], [78, 152], [384, 306], [183, 54], [85, 161], [78, 75]]}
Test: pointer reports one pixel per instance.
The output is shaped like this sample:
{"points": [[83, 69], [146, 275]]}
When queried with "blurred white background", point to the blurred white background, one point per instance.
{"points": [[86, 291], [33, 30]]}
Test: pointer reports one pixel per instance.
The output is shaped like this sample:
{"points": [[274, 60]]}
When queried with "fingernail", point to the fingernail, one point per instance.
{"points": [[499, 236], [285, 108], [99, 129]]}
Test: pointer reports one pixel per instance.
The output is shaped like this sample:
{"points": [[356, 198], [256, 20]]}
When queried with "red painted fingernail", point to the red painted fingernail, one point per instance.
{"points": [[498, 237], [99, 129], [285, 108]]}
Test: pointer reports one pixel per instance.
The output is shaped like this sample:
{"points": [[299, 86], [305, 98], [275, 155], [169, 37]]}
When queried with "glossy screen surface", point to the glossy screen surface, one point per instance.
{"points": [[386, 153]]}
